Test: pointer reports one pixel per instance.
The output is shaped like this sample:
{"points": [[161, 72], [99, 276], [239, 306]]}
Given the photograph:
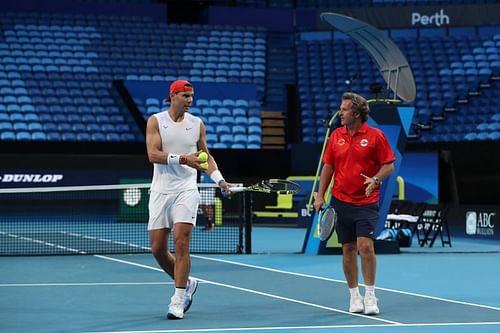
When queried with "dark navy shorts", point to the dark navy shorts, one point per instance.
{"points": [[355, 221]]}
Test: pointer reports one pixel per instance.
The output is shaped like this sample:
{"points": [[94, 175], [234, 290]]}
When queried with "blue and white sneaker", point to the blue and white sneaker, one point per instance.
{"points": [[175, 309], [190, 290]]}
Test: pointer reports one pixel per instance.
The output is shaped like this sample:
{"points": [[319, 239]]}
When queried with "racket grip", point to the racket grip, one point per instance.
{"points": [[237, 189]]}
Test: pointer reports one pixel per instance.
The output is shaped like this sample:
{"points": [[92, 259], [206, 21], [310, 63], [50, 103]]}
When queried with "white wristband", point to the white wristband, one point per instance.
{"points": [[173, 159], [216, 177]]}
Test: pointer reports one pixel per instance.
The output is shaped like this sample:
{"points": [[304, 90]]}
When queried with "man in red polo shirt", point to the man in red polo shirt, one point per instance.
{"points": [[357, 159]]}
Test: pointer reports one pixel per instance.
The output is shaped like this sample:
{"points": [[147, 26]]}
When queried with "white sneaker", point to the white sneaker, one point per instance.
{"points": [[371, 307], [176, 308], [190, 290], [356, 304]]}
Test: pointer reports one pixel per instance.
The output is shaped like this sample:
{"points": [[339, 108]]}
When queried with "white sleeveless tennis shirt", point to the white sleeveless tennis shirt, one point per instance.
{"points": [[176, 138]]}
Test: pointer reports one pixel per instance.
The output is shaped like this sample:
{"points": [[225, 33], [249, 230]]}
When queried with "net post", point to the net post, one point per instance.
{"points": [[247, 208]]}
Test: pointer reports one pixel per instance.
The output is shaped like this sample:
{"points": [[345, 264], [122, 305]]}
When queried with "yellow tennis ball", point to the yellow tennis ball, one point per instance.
{"points": [[204, 165], [203, 156]]}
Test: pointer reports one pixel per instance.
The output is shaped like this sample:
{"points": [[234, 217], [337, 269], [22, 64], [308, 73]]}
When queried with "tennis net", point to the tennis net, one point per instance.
{"points": [[111, 219]]}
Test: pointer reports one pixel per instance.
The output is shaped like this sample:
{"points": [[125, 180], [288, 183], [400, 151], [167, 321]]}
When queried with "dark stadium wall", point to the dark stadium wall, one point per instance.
{"points": [[469, 171], [272, 19], [157, 12]]}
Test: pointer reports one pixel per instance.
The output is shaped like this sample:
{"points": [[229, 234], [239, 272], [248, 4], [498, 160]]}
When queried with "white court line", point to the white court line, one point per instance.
{"points": [[65, 248], [257, 292], [283, 328], [34, 240], [78, 284], [341, 281]]}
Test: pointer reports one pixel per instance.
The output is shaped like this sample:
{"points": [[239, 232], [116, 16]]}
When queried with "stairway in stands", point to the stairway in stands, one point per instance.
{"points": [[281, 65]]}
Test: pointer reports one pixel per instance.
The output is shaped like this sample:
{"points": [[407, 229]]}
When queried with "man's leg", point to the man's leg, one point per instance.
{"points": [[368, 267], [182, 238], [368, 259], [159, 249], [350, 262]]}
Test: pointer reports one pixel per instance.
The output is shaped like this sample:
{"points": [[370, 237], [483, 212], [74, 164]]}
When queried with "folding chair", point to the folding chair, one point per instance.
{"points": [[406, 214], [434, 222]]}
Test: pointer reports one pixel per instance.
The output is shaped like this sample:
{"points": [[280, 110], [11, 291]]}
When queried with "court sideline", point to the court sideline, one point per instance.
{"points": [[441, 292]]}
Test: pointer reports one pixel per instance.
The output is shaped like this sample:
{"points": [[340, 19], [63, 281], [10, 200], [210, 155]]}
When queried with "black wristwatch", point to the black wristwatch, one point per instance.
{"points": [[377, 180]]}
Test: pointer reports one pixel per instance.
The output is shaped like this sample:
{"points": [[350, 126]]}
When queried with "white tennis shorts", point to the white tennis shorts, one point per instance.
{"points": [[167, 209]]}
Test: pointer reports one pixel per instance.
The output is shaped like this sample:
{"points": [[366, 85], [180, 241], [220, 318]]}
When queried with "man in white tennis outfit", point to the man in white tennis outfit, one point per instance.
{"points": [[174, 138]]}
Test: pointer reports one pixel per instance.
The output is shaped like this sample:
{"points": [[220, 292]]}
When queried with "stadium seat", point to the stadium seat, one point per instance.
{"points": [[240, 138], [8, 136]]}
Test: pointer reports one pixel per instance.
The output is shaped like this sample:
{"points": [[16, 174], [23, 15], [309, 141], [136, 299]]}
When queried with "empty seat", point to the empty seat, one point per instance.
{"points": [[8, 136], [238, 129], [112, 137], [254, 139], [223, 129], [226, 139], [98, 137]]}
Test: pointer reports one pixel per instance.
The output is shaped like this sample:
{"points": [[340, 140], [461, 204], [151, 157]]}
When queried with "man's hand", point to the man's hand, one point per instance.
{"points": [[192, 160], [319, 201], [370, 182], [225, 186]]}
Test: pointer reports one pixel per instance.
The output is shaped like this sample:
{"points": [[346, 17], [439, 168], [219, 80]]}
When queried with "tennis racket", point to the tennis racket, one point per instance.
{"points": [[279, 186], [327, 222]]}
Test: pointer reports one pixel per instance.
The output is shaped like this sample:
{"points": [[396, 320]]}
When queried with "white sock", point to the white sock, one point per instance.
{"points": [[180, 292], [370, 290], [354, 291]]}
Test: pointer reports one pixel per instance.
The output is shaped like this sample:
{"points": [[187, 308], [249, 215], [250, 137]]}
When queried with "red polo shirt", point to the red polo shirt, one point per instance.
{"points": [[364, 152]]}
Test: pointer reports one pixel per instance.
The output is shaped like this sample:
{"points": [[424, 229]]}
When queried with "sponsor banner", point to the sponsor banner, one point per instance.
{"points": [[420, 16], [15, 178], [475, 221], [61, 170], [21, 178]]}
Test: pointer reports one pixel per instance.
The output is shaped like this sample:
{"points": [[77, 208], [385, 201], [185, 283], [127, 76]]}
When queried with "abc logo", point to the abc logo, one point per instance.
{"points": [[470, 223]]}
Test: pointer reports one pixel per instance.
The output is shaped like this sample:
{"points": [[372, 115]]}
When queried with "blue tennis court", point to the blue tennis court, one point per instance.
{"points": [[272, 290]]}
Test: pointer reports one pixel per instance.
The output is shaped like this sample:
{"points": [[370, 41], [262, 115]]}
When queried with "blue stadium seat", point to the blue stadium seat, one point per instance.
{"points": [[97, 137], [53, 136], [8, 136], [228, 103], [240, 138], [253, 139], [83, 137], [254, 129], [112, 137], [494, 135], [208, 111], [214, 120], [211, 138], [482, 136], [228, 120], [220, 145], [222, 112], [238, 129], [222, 129], [253, 146], [226, 139], [68, 136], [239, 112]]}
